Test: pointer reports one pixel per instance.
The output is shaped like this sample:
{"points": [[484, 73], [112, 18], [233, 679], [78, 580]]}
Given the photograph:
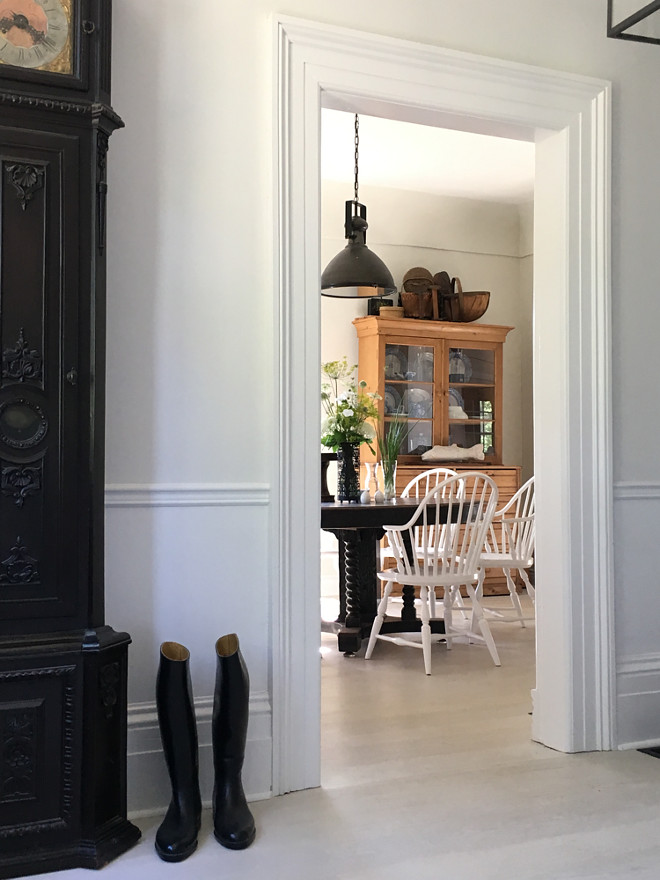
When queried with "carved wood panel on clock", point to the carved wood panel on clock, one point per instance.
{"points": [[39, 555]]}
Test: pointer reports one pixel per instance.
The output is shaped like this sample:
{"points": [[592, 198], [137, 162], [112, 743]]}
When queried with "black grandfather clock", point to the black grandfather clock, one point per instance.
{"points": [[62, 669]]}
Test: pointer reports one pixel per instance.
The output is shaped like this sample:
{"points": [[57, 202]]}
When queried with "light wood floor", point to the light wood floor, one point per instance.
{"points": [[436, 777]]}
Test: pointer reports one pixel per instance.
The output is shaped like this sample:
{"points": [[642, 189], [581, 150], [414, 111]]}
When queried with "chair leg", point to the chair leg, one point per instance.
{"points": [[432, 601], [531, 592], [478, 616], [513, 593], [378, 620], [457, 599], [481, 574], [426, 628], [448, 604]]}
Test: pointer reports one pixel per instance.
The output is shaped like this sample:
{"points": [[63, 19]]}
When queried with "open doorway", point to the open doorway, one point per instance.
{"points": [[460, 202], [568, 118]]}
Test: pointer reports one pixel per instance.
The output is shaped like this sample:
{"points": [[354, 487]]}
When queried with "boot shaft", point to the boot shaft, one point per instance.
{"points": [[176, 713], [231, 701], [176, 837], [233, 822]]}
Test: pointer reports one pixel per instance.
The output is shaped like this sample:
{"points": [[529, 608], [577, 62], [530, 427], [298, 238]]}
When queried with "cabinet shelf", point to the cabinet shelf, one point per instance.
{"points": [[413, 382]]}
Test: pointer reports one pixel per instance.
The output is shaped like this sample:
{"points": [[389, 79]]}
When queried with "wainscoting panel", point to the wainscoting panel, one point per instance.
{"points": [[637, 612], [148, 783], [181, 566], [638, 702]]}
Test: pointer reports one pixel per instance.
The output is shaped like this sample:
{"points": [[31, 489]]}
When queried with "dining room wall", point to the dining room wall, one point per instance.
{"points": [[192, 303], [484, 243]]}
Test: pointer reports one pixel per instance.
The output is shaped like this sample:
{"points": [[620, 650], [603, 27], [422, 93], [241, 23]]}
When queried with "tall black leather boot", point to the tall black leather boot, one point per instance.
{"points": [[233, 823], [176, 838]]}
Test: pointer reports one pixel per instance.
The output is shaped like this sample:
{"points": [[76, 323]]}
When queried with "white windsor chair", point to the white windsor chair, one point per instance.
{"points": [[431, 553], [509, 545]]}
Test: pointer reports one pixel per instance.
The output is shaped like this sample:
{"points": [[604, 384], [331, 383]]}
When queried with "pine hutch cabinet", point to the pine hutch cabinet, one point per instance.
{"points": [[446, 379]]}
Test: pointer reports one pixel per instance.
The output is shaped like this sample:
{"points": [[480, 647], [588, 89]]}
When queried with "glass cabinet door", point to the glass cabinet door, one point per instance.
{"points": [[471, 395], [408, 393]]}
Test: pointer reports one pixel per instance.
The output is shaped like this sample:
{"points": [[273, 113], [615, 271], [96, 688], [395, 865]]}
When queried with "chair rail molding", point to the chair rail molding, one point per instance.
{"points": [[187, 495], [636, 491], [568, 117]]}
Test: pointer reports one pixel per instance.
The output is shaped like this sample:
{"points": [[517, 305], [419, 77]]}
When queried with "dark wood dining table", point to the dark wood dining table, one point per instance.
{"points": [[359, 529]]}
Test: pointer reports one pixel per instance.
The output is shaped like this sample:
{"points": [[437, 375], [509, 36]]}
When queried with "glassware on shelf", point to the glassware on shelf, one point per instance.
{"points": [[365, 494], [379, 497]]}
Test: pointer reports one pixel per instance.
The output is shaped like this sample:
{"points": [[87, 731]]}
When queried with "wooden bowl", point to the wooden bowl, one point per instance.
{"points": [[473, 304]]}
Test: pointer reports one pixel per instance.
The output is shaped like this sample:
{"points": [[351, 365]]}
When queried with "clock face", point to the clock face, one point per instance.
{"points": [[36, 34]]}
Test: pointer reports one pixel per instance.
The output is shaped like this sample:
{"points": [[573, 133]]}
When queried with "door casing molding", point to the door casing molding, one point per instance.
{"points": [[568, 117]]}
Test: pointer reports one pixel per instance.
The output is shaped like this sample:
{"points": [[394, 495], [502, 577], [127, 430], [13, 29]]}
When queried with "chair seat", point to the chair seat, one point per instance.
{"points": [[498, 560], [425, 580]]}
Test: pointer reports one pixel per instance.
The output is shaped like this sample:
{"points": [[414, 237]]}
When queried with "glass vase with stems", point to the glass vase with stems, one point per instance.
{"points": [[391, 438], [349, 410]]}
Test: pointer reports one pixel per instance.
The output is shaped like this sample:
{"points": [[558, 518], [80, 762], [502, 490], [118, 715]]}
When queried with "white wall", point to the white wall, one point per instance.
{"points": [[525, 322], [190, 307], [477, 241]]}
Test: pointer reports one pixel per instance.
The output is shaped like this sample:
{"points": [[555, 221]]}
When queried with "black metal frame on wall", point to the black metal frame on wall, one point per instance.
{"points": [[622, 29]]}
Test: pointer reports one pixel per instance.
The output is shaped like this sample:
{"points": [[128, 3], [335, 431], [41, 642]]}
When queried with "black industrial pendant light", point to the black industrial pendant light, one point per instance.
{"points": [[356, 269], [630, 20]]}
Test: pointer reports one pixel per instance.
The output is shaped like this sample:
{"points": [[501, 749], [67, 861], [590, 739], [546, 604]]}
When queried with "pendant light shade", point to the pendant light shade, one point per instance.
{"points": [[634, 20], [356, 269]]}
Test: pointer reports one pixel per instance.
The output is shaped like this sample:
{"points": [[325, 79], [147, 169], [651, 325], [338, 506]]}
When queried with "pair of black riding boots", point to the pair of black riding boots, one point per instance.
{"points": [[233, 824]]}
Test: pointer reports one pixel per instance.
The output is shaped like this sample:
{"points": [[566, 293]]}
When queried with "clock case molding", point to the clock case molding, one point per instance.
{"points": [[63, 670]]}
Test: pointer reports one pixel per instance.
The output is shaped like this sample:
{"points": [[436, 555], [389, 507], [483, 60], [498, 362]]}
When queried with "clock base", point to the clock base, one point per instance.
{"points": [[111, 843], [63, 751]]}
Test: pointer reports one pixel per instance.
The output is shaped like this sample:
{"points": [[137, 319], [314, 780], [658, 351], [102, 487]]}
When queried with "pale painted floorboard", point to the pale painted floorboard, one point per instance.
{"points": [[436, 777]]}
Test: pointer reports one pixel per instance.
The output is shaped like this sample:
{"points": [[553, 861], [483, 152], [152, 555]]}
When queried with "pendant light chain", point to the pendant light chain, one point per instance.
{"points": [[357, 144], [356, 270]]}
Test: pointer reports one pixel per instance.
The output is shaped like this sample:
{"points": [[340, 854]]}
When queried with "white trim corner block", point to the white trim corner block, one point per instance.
{"points": [[319, 65]]}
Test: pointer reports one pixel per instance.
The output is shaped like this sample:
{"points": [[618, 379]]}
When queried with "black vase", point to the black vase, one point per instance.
{"points": [[348, 472]]}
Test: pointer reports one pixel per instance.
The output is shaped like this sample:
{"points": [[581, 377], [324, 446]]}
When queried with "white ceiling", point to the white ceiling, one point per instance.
{"points": [[421, 158]]}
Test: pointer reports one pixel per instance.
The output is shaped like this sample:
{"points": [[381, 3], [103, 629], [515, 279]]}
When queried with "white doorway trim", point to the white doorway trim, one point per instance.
{"points": [[569, 118]]}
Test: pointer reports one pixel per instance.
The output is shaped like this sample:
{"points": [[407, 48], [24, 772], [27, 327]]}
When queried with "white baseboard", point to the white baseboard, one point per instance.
{"points": [[638, 701], [148, 783]]}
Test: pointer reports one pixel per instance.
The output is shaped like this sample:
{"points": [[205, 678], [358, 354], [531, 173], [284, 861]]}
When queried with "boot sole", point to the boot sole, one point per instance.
{"points": [[178, 857], [229, 844]]}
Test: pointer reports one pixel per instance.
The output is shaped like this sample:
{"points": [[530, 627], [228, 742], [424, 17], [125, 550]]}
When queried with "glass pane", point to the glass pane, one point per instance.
{"points": [[471, 365], [408, 392], [472, 397], [471, 402], [420, 438], [403, 363], [468, 434]]}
